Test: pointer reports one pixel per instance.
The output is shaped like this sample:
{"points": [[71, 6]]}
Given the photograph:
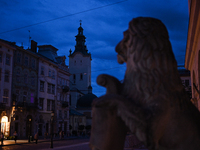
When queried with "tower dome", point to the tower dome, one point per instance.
{"points": [[86, 101]]}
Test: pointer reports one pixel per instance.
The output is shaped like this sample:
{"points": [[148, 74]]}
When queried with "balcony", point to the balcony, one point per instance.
{"points": [[65, 89], [27, 105], [64, 104]]}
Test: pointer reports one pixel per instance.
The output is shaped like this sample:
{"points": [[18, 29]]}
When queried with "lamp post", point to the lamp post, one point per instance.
{"points": [[52, 119], [29, 132]]}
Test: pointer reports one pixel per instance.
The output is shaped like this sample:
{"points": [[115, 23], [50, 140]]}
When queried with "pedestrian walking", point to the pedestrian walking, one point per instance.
{"points": [[45, 135], [60, 134], [2, 138], [36, 137], [15, 135], [63, 134]]}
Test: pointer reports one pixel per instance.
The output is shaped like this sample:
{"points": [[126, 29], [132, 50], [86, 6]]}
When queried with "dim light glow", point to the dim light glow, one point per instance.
{"points": [[4, 119]]}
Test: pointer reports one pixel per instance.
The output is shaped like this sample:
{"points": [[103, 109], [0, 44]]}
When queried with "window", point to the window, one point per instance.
{"points": [[26, 78], [58, 96], [49, 73], [33, 80], [18, 57], [18, 75], [49, 88], [60, 113], [48, 105], [53, 74], [6, 79], [7, 59], [0, 57], [53, 89], [89, 79], [41, 86], [24, 97], [61, 97], [42, 71], [17, 95], [5, 96], [32, 98], [63, 82], [74, 78], [65, 114], [26, 60], [81, 76], [33, 63], [53, 105], [60, 81], [70, 99], [186, 82], [41, 100]]}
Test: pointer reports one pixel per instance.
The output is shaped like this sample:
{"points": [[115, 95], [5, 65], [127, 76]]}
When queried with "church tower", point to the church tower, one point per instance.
{"points": [[80, 64]]}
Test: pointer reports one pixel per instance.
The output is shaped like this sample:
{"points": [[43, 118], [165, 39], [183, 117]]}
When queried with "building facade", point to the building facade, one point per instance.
{"points": [[192, 57], [54, 90], [34, 85], [81, 95], [24, 92], [7, 50], [186, 80], [63, 95]]}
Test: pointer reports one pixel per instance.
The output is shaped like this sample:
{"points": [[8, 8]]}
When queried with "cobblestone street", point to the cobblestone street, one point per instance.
{"points": [[69, 144], [72, 144]]}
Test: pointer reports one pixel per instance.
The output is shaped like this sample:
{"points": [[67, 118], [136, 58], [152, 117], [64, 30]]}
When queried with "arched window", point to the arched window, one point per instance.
{"points": [[74, 78], [33, 80], [81, 76], [26, 77]]}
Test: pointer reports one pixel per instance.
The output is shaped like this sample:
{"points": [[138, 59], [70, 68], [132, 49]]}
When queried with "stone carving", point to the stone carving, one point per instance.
{"points": [[151, 102]]}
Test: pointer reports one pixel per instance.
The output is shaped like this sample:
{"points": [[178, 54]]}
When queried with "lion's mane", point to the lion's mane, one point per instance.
{"points": [[151, 66]]}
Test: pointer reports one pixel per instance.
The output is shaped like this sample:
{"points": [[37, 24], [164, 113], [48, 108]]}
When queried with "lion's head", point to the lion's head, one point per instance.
{"points": [[151, 65]]}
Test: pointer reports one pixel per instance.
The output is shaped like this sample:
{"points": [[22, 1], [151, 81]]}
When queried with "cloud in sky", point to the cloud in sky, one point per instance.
{"points": [[103, 21]]}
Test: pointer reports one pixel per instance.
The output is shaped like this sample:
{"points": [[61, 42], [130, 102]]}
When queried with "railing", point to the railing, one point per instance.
{"points": [[27, 105]]}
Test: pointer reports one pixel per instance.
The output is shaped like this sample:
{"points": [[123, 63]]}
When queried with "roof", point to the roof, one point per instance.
{"points": [[183, 72], [47, 46], [86, 101], [73, 112], [11, 44]]}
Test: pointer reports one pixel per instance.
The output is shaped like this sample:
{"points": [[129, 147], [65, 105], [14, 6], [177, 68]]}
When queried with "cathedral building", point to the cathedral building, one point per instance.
{"points": [[81, 95]]}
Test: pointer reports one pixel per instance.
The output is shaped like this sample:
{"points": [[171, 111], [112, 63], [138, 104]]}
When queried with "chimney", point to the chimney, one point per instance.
{"points": [[33, 46]]}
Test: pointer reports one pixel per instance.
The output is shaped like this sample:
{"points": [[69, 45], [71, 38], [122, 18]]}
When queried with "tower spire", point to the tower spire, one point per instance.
{"points": [[80, 22]]}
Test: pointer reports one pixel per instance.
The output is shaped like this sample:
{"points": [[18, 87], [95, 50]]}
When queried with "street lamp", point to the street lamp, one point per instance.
{"points": [[29, 132], [52, 118]]}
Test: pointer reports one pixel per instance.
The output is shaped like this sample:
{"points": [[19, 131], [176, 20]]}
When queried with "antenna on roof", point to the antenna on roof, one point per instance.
{"points": [[29, 42]]}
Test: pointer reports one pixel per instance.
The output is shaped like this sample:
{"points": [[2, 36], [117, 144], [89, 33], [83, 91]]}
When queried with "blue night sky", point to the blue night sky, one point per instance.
{"points": [[56, 23]]}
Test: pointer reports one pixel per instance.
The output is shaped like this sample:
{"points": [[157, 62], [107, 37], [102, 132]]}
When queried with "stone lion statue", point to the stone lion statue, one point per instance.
{"points": [[151, 102]]}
